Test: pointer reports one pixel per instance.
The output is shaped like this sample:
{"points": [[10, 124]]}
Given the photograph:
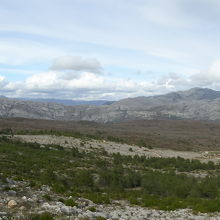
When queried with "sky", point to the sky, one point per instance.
{"points": [[107, 49]]}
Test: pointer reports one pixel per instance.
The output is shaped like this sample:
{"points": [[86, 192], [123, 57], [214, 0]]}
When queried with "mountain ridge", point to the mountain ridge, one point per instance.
{"points": [[67, 102], [195, 103]]}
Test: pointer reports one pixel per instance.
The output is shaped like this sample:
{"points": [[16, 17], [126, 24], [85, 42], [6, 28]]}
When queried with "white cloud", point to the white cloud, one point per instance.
{"points": [[82, 84], [207, 78], [210, 77], [88, 85], [215, 69], [92, 86], [76, 63], [69, 75], [2, 81]]}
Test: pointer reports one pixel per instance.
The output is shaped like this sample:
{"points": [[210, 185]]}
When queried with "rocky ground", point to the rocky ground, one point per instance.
{"points": [[124, 149], [21, 201]]}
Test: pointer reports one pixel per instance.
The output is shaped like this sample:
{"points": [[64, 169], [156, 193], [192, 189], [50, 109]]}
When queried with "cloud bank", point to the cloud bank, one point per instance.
{"points": [[77, 63], [76, 78]]}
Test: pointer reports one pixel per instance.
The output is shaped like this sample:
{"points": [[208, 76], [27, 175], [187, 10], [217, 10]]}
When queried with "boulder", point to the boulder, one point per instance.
{"points": [[12, 204]]}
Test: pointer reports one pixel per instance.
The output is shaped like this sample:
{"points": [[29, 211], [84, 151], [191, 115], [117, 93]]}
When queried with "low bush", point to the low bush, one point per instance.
{"points": [[101, 177], [44, 216]]}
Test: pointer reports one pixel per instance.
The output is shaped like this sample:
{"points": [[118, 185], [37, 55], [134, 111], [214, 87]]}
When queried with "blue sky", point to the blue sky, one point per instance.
{"points": [[102, 49]]}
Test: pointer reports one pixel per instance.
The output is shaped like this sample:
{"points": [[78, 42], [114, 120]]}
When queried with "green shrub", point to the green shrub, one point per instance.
{"points": [[100, 218], [101, 177], [70, 202], [47, 197], [92, 209], [44, 216], [61, 200]]}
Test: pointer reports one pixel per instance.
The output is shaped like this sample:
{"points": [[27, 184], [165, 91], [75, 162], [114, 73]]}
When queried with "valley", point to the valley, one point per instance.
{"points": [[52, 174], [186, 135], [132, 169], [109, 110]]}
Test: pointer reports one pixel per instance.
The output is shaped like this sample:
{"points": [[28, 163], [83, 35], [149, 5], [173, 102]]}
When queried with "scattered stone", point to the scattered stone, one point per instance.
{"points": [[2, 214], [10, 181], [22, 208], [12, 193], [24, 198], [12, 204], [68, 210], [30, 200]]}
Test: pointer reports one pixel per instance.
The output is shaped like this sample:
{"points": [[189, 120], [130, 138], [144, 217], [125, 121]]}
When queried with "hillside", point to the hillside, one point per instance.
{"points": [[196, 104], [168, 134], [54, 177]]}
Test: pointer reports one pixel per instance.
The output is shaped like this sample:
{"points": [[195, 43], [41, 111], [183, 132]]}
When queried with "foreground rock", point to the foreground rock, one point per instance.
{"points": [[12, 204], [27, 201]]}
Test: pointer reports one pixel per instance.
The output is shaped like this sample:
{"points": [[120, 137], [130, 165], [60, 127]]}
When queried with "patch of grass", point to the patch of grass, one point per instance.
{"points": [[100, 218], [47, 197], [44, 216], [92, 209], [70, 202]]}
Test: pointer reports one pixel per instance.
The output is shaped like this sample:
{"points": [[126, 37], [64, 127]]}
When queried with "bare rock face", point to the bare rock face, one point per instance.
{"points": [[197, 103]]}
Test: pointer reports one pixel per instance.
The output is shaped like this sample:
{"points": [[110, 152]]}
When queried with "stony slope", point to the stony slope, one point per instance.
{"points": [[70, 180], [197, 103], [115, 148]]}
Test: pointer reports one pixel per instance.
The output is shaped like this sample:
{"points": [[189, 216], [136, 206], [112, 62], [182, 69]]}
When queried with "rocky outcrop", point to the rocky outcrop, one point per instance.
{"points": [[31, 201], [197, 103]]}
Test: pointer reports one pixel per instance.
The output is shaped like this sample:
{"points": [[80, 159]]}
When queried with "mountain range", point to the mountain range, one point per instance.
{"points": [[69, 102], [196, 103]]}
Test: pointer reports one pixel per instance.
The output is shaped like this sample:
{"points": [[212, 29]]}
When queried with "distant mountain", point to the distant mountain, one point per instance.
{"points": [[192, 95], [196, 103], [69, 102]]}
